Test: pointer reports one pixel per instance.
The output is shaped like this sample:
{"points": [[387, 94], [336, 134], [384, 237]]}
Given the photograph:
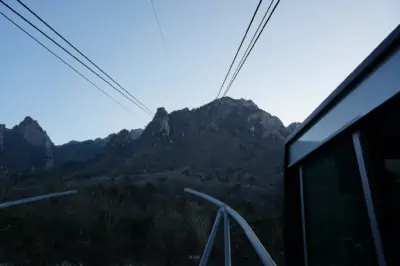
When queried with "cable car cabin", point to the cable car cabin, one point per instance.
{"points": [[342, 171]]}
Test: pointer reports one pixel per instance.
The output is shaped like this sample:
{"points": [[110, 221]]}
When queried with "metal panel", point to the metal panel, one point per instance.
{"points": [[385, 47], [368, 199], [374, 90]]}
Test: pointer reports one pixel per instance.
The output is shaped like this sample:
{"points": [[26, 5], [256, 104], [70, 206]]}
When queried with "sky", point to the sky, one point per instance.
{"points": [[305, 52]]}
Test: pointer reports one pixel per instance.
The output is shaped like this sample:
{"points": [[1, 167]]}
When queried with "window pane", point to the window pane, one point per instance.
{"points": [[294, 250], [382, 148], [337, 225]]}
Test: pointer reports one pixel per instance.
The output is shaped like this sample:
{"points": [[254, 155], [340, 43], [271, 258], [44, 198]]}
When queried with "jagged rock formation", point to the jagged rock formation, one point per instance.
{"points": [[238, 141], [239, 137], [292, 128], [135, 133], [26, 147]]}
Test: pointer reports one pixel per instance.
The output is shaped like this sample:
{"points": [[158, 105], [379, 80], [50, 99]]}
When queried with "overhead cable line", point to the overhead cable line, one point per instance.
{"points": [[237, 52], [77, 50], [249, 49], [251, 45], [62, 60], [240, 46], [158, 23], [138, 104]]}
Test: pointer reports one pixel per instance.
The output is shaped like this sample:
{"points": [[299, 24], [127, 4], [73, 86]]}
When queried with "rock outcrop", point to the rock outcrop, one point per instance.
{"points": [[26, 147]]}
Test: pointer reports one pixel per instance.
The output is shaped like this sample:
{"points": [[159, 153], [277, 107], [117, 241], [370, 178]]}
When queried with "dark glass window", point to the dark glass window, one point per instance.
{"points": [[382, 149], [336, 221], [294, 254]]}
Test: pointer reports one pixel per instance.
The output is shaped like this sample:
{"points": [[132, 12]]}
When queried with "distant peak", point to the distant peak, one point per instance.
{"points": [[33, 132], [28, 121], [161, 112], [135, 133], [230, 102], [248, 103], [293, 127], [28, 124], [123, 132]]}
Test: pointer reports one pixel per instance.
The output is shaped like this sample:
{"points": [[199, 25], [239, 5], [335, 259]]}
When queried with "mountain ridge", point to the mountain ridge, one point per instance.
{"points": [[180, 139]]}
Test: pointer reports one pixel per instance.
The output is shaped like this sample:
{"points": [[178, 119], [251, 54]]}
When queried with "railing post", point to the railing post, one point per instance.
{"points": [[227, 238], [229, 212], [211, 238]]}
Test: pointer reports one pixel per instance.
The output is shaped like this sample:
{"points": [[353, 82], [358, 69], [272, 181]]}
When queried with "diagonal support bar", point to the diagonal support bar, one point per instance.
{"points": [[227, 239], [255, 242], [211, 238]]}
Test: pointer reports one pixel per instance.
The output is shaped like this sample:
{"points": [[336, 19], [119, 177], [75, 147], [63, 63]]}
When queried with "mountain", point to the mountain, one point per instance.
{"points": [[239, 141], [135, 133], [240, 138], [26, 147], [75, 151]]}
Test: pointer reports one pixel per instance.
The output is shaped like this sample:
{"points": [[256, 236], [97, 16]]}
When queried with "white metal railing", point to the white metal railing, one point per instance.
{"points": [[226, 212], [36, 198]]}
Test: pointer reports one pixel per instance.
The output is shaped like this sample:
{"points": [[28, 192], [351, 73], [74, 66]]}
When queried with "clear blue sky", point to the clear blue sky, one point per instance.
{"points": [[308, 48]]}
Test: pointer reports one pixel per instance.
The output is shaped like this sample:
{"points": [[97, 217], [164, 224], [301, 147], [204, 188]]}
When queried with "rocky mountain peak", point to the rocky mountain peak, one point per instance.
{"points": [[26, 147], [160, 123], [228, 102], [36, 136], [124, 136], [33, 132], [292, 128], [266, 120], [120, 143], [29, 121], [171, 140], [161, 113], [135, 133], [228, 106], [124, 133], [243, 103]]}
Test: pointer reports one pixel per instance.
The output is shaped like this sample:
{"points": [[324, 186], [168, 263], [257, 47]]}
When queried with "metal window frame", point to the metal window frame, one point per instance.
{"points": [[360, 96], [384, 50], [358, 148], [380, 54], [360, 159], [303, 217], [327, 140], [355, 135]]}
